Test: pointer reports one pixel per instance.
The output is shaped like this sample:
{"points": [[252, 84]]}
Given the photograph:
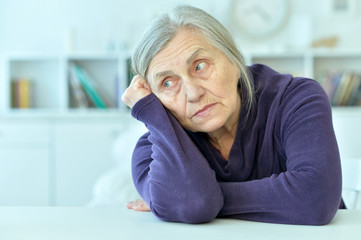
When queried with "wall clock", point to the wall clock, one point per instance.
{"points": [[260, 18]]}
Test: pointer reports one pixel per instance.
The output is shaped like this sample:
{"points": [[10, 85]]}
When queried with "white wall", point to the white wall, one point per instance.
{"points": [[47, 25], [43, 25]]}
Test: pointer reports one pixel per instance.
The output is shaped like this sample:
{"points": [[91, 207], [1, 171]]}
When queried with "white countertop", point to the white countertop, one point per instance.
{"points": [[52, 223]]}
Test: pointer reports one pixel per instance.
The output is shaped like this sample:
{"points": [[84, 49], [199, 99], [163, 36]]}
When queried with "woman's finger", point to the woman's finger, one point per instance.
{"points": [[138, 205]]}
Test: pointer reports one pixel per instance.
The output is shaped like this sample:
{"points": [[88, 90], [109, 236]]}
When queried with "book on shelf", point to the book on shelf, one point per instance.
{"points": [[85, 91], [355, 94], [22, 95], [342, 84], [343, 88], [350, 91], [78, 96]]}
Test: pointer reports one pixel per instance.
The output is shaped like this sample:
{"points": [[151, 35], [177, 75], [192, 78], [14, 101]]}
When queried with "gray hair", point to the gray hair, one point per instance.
{"points": [[164, 28]]}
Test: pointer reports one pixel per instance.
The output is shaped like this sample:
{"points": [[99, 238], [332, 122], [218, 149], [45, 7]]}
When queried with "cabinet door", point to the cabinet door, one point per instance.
{"points": [[82, 153], [24, 162], [24, 176]]}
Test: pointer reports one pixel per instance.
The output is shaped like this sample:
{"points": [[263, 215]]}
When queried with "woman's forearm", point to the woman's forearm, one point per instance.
{"points": [[170, 172]]}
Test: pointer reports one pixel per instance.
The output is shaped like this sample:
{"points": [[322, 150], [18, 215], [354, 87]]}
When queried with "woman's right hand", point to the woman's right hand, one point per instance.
{"points": [[137, 89], [138, 205]]}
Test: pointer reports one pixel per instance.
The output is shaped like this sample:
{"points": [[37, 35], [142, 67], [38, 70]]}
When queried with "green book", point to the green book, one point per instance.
{"points": [[88, 87]]}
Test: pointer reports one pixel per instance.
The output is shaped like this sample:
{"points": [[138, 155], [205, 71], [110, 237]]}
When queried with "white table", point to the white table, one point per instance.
{"points": [[52, 223]]}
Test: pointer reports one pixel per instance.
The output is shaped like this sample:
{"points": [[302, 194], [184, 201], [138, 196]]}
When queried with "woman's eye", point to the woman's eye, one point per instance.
{"points": [[200, 66], [168, 83]]}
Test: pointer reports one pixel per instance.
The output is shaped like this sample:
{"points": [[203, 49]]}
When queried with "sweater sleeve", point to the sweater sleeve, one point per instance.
{"points": [[169, 171], [309, 191]]}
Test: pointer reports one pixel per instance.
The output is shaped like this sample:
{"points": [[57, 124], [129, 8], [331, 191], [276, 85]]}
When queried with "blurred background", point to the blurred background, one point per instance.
{"points": [[93, 25], [63, 143]]}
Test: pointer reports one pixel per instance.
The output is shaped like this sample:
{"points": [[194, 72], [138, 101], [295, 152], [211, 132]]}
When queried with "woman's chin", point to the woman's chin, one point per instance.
{"points": [[208, 127]]}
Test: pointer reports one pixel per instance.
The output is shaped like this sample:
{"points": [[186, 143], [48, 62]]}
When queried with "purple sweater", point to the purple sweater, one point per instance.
{"points": [[284, 165]]}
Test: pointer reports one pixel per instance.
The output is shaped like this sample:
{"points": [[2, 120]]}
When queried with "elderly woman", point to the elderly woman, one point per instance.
{"points": [[224, 139]]}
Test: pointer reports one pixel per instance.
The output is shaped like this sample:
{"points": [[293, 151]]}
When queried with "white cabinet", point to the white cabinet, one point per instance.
{"points": [[24, 162], [24, 176], [51, 153], [82, 153], [54, 160]]}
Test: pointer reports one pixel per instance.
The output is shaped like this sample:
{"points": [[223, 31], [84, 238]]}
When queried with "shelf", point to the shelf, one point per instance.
{"points": [[69, 113], [337, 71], [45, 79], [49, 74], [284, 64], [337, 63], [104, 71], [347, 111], [43, 76]]}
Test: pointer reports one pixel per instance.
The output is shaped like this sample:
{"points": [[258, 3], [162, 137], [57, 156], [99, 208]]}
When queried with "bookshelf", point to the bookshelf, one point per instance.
{"points": [[42, 73], [321, 66], [48, 78], [48, 75], [46, 146]]}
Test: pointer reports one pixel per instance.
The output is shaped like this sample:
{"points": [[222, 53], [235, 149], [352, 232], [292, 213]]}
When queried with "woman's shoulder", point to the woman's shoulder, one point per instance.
{"points": [[279, 86], [268, 82], [279, 95]]}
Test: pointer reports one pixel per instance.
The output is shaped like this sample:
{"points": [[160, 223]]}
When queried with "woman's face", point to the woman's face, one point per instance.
{"points": [[196, 82]]}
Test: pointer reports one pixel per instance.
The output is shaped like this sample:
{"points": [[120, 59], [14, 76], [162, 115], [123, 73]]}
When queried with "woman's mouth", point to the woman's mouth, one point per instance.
{"points": [[204, 111]]}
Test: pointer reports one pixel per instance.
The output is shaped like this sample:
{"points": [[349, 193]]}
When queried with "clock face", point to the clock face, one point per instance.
{"points": [[259, 18]]}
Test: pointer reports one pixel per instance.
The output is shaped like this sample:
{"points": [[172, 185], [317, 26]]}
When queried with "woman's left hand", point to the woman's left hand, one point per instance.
{"points": [[138, 205]]}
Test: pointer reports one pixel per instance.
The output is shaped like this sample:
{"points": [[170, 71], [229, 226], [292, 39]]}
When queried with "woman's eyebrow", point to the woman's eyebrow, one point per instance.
{"points": [[162, 74], [194, 55], [188, 61]]}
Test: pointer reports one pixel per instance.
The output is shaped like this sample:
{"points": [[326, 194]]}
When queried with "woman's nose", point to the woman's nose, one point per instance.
{"points": [[194, 90]]}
